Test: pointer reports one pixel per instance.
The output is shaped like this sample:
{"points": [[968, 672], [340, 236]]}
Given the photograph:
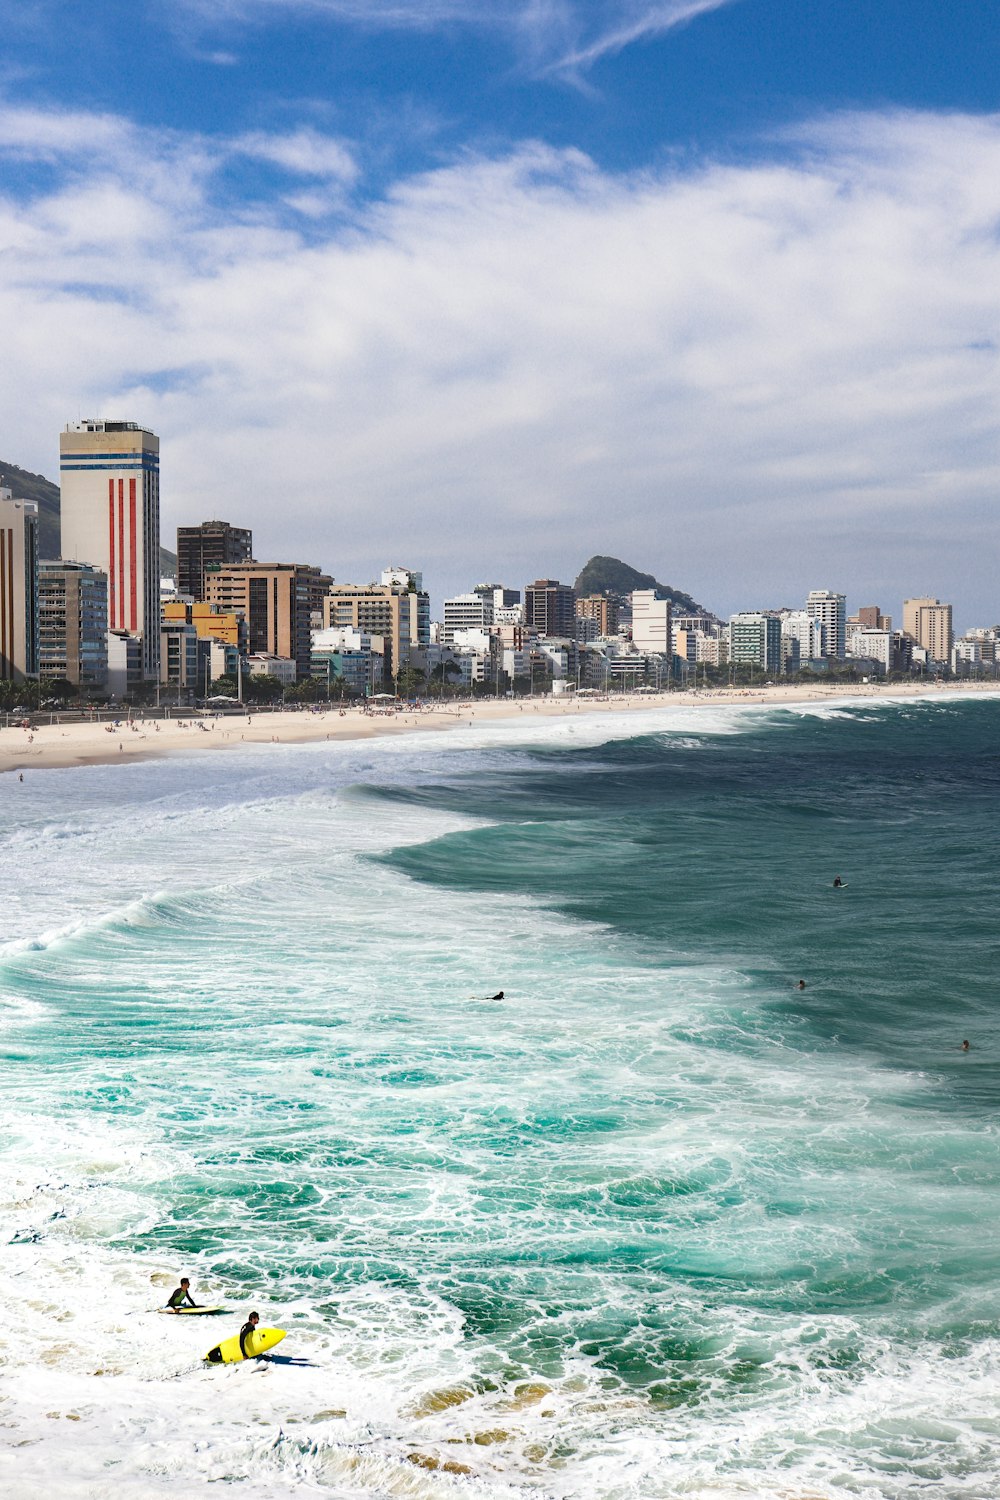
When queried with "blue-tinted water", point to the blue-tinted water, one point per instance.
{"points": [[657, 1224]]}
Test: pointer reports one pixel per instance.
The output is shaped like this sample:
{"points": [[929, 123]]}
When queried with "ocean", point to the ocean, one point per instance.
{"points": [[657, 1224]]}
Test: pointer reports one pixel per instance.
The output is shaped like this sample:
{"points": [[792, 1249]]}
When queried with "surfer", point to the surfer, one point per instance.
{"points": [[248, 1328], [181, 1296], [497, 996], [965, 1046], [838, 884], [801, 984]]}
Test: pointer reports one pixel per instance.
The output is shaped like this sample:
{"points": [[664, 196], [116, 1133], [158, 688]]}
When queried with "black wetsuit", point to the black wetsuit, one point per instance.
{"points": [[245, 1332]]}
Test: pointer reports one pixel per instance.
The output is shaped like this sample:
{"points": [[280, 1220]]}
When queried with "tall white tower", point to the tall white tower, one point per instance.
{"points": [[831, 611], [110, 518]]}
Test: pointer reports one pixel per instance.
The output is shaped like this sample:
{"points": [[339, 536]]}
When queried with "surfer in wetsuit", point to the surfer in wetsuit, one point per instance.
{"points": [[838, 884], [248, 1328], [182, 1295], [497, 996]]}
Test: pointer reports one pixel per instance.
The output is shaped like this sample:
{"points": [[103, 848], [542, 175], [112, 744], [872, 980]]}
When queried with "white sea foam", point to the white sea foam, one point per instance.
{"points": [[240, 1003]]}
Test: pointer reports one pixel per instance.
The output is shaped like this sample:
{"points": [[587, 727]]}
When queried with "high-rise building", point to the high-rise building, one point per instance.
{"points": [[808, 633], [418, 601], [831, 610], [376, 610], [602, 610], [500, 597], [207, 548], [928, 622], [110, 518], [651, 622], [755, 640], [550, 608], [73, 624], [281, 603], [18, 588], [466, 612], [870, 617]]}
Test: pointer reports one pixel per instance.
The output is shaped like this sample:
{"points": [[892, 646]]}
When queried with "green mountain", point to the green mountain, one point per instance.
{"points": [[27, 486], [609, 575]]}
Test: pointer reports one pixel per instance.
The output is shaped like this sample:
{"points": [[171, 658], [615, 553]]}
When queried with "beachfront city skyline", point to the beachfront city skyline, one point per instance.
{"points": [[101, 618]]}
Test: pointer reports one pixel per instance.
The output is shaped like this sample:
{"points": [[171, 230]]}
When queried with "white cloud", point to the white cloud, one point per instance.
{"points": [[304, 152], [553, 36], [750, 379]]}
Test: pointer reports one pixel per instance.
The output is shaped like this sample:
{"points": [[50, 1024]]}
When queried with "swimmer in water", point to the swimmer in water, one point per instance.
{"points": [[965, 1047], [801, 984]]}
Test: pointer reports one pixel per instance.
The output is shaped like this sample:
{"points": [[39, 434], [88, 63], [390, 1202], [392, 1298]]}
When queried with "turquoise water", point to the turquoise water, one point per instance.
{"points": [[658, 1224]]}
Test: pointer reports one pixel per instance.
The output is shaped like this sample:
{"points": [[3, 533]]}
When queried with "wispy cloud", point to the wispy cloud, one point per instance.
{"points": [[552, 37], [751, 378], [304, 152]]}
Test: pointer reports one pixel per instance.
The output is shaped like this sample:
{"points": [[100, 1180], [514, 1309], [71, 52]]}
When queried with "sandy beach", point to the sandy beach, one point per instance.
{"points": [[50, 746]]}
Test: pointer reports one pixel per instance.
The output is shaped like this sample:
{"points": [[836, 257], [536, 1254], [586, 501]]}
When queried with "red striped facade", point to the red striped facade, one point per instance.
{"points": [[122, 559]]}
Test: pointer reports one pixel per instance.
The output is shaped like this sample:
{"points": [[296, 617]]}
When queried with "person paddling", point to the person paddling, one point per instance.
{"points": [[181, 1297]]}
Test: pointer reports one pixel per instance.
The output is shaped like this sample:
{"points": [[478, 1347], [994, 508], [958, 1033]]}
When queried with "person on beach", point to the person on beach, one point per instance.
{"points": [[248, 1328], [182, 1296]]}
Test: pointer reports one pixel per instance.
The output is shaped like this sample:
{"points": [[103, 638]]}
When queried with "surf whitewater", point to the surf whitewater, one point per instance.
{"points": [[660, 1223]]}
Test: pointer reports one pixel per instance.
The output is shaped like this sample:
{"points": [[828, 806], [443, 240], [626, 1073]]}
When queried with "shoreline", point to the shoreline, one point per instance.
{"points": [[65, 746]]}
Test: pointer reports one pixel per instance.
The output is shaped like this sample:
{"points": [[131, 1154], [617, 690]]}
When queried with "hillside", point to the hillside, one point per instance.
{"points": [[28, 486], [609, 575]]}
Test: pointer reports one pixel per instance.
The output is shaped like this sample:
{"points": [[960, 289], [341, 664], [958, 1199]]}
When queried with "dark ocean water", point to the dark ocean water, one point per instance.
{"points": [[657, 1224]]}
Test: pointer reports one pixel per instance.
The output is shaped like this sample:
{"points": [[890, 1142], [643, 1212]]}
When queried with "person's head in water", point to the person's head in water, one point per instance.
{"points": [[802, 984], [965, 1046]]}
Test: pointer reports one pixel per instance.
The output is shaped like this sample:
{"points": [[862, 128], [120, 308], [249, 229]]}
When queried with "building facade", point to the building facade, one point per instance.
{"points": [[602, 610], [73, 624], [18, 588], [808, 632], [755, 640], [207, 548], [348, 657], [278, 602], [110, 518], [411, 584], [929, 623], [831, 610], [377, 609], [651, 622], [466, 612], [550, 607]]}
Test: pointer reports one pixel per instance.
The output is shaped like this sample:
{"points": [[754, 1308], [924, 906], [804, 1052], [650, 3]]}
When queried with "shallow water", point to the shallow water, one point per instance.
{"points": [[657, 1225]]}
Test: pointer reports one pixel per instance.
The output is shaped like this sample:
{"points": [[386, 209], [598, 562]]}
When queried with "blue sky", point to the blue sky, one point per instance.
{"points": [[708, 284]]}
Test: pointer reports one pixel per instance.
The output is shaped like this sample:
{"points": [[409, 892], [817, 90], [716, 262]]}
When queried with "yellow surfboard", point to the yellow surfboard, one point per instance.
{"points": [[230, 1353]]}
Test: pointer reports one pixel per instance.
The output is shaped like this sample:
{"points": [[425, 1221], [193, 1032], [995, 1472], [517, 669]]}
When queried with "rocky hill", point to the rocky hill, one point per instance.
{"points": [[28, 486], [609, 575]]}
